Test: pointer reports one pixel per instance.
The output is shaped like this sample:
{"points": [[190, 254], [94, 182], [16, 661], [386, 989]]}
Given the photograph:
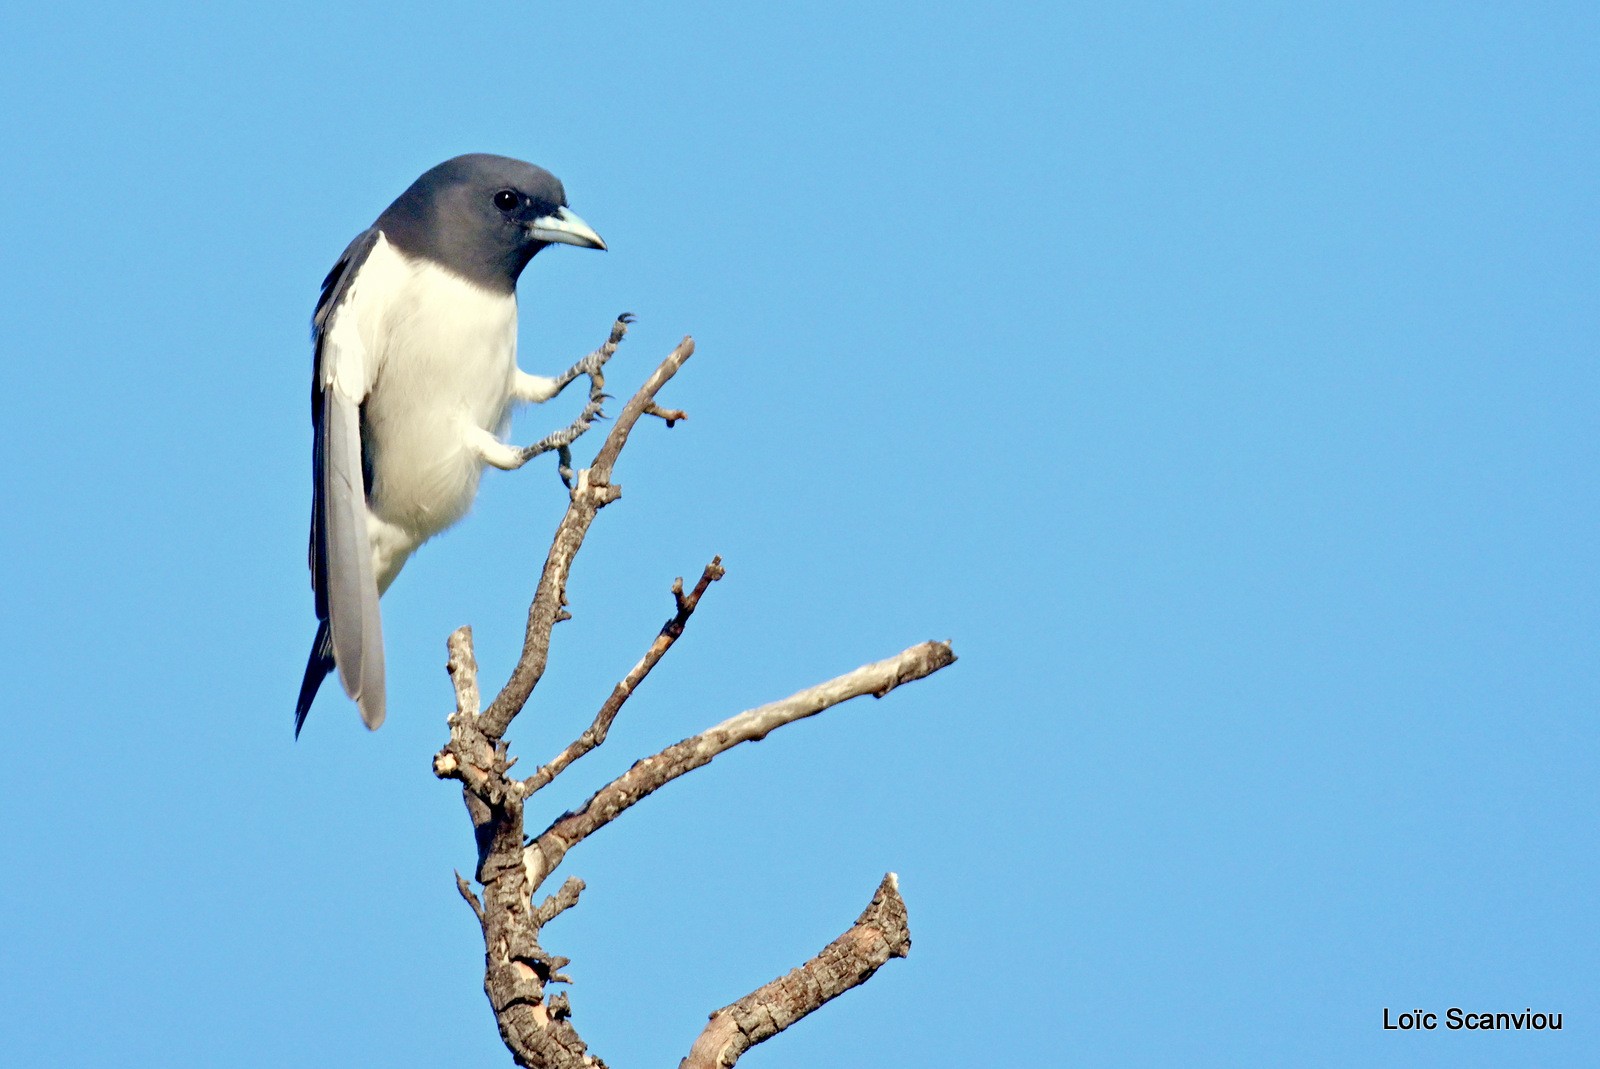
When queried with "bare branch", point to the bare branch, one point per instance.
{"points": [[880, 933], [517, 971], [469, 756], [671, 415], [558, 903], [593, 492], [479, 762], [638, 405], [463, 669], [596, 732], [466, 892], [650, 774]]}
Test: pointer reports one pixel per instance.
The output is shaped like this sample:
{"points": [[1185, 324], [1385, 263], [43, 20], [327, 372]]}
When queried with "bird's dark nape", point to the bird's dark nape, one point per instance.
{"points": [[318, 665]]}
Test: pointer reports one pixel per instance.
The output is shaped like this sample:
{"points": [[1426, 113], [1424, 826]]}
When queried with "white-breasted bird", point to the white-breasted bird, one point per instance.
{"points": [[415, 374]]}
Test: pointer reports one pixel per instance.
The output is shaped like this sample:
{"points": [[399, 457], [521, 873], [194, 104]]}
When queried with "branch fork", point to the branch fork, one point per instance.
{"points": [[534, 1022]]}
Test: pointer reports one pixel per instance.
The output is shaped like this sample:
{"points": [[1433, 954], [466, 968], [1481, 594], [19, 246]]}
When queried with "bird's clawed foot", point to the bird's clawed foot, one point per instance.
{"points": [[592, 366], [561, 441]]}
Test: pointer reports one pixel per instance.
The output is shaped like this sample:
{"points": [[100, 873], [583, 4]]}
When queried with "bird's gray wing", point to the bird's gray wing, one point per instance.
{"points": [[341, 558]]}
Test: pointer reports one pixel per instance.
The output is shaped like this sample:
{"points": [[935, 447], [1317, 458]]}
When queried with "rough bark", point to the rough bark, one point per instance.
{"points": [[880, 933]]}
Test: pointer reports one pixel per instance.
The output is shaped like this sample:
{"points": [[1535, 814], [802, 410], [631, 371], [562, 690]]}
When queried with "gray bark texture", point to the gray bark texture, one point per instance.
{"points": [[535, 1023]]}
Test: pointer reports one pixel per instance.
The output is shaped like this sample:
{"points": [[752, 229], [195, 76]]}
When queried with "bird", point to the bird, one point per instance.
{"points": [[414, 343]]}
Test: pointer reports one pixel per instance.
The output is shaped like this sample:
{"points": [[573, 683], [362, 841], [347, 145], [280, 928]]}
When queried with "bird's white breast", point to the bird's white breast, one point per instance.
{"points": [[441, 356]]}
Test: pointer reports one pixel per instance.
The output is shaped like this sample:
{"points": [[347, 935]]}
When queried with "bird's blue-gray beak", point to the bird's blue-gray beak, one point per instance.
{"points": [[563, 225]]}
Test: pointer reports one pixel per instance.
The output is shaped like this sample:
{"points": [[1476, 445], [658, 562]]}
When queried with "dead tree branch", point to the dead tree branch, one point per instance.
{"points": [[653, 773], [596, 733], [534, 1022], [880, 933], [560, 902]]}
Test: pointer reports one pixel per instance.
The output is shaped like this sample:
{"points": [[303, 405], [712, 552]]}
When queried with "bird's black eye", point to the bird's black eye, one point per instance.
{"points": [[506, 199]]}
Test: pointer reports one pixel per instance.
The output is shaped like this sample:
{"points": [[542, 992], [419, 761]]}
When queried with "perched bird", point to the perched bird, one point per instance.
{"points": [[415, 373]]}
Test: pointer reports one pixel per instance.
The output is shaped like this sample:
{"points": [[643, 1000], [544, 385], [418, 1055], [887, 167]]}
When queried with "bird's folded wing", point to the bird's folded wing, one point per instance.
{"points": [[341, 557], [352, 591]]}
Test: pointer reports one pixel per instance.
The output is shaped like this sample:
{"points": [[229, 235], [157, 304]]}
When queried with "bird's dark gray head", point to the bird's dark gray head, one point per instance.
{"points": [[484, 217]]}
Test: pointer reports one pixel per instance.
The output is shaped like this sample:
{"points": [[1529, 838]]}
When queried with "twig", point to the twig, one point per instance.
{"points": [[558, 903], [463, 669], [671, 415], [478, 761], [596, 732], [472, 900], [649, 775], [880, 933]]}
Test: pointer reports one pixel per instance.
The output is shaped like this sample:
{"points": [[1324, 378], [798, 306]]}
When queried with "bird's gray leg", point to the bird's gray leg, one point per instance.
{"points": [[561, 440], [526, 387], [537, 388], [491, 450], [494, 452], [532, 389]]}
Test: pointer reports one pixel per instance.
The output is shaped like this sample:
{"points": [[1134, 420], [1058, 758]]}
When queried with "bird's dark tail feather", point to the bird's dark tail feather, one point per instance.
{"points": [[318, 665]]}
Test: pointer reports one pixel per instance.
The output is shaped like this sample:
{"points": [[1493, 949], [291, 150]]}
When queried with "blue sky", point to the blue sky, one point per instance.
{"points": [[1219, 378]]}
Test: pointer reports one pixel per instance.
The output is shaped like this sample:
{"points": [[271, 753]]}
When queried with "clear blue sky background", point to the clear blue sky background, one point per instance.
{"points": [[1220, 378]]}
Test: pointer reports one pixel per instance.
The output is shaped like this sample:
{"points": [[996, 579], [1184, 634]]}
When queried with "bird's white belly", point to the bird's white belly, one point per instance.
{"points": [[449, 352]]}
